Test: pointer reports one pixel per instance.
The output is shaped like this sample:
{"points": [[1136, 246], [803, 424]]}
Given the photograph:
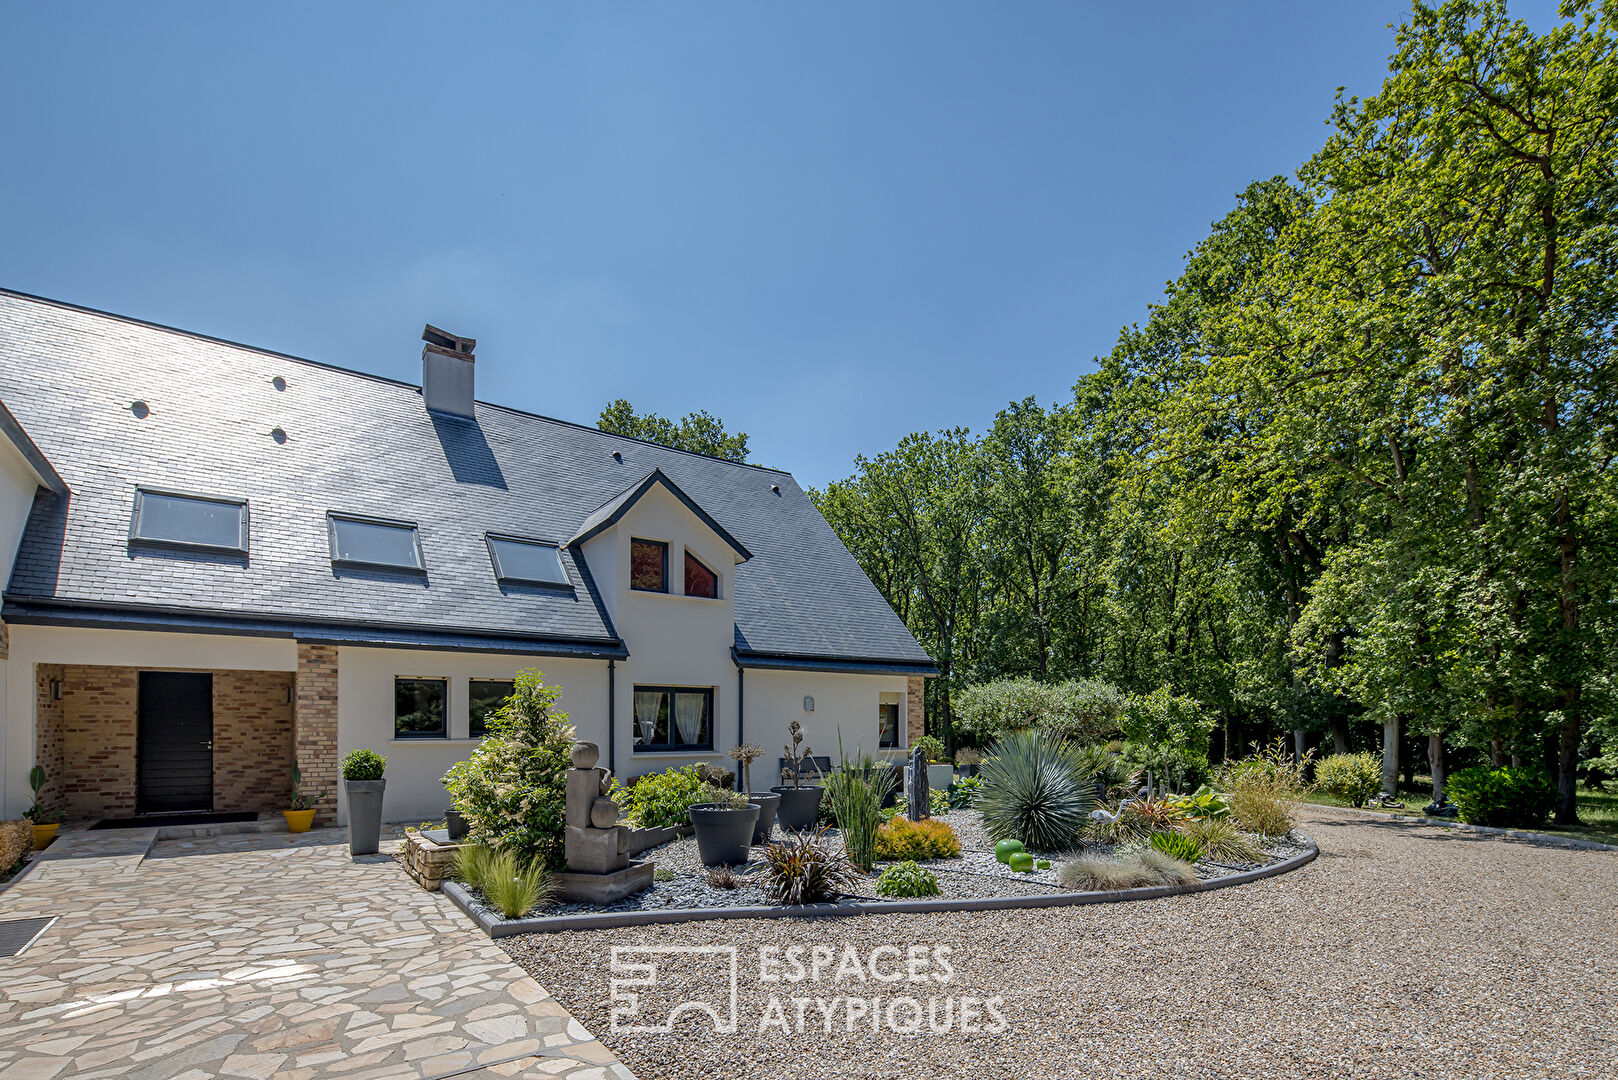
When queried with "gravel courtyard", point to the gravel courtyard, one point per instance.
{"points": [[1402, 952]]}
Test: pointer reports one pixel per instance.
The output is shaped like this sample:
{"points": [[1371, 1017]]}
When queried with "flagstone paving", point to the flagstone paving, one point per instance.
{"points": [[264, 956]]}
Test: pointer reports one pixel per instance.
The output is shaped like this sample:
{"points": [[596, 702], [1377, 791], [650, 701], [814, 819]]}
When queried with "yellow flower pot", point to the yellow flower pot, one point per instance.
{"points": [[44, 834], [299, 820]]}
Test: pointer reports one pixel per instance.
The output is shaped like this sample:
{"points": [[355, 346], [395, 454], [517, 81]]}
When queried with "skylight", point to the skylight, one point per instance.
{"points": [[530, 561], [163, 517], [360, 541]]}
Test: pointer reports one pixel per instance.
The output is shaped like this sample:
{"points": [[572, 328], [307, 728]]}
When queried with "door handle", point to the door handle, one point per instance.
{"points": [[208, 745]]}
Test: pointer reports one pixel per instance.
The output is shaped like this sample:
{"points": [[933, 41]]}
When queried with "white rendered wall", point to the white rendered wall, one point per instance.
{"points": [[17, 486], [845, 705], [365, 715]]}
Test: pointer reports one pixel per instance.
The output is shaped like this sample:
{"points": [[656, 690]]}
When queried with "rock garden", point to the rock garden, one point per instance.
{"points": [[554, 841]]}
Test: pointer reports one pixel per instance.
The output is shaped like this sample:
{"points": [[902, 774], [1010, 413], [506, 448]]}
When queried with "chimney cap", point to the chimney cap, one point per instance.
{"points": [[442, 339]]}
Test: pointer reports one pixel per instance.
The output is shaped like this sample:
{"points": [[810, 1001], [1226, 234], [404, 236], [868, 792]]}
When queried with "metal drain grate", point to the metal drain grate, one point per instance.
{"points": [[17, 934]]}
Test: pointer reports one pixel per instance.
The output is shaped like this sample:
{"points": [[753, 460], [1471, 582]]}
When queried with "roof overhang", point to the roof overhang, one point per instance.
{"points": [[25, 611], [848, 665], [13, 434], [609, 513]]}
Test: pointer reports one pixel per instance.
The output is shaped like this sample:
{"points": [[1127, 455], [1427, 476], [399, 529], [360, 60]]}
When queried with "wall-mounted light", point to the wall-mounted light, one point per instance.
{"points": [[56, 689], [808, 704]]}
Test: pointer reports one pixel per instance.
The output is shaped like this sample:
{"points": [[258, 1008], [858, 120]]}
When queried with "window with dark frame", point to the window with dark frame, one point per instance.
{"points": [[888, 724], [418, 708], [166, 517], [673, 718], [699, 580], [531, 562], [484, 697], [359, 541], [648, 565]]}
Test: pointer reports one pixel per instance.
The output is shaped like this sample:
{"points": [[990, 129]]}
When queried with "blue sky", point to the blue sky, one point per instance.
{"points": [[830, 224]]}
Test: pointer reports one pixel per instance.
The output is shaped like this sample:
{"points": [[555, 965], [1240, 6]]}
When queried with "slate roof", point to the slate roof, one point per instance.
{"points": [[360, 444]]}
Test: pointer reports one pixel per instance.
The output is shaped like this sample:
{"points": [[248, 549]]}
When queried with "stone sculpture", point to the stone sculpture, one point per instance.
{"points": [[597, 848]]}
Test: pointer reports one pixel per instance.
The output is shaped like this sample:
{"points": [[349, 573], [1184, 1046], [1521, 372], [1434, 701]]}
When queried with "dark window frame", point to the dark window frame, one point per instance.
{"points": [[414, 736], [671, 747], [242, 531], [469, 684], [711, 572], [664, 545], [334, 516], [500, 573], [898, 725]]}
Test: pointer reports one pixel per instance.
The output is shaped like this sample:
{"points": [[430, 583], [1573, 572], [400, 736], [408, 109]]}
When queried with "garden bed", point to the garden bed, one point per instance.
{"points": [[975, 880]]}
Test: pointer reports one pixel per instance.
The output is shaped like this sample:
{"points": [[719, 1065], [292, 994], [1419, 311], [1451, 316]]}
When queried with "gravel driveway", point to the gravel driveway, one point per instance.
{"points": [[1402, 952]]}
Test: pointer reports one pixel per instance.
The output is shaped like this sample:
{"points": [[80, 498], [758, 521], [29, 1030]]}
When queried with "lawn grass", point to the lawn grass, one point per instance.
{"points": [[1598, 810]]}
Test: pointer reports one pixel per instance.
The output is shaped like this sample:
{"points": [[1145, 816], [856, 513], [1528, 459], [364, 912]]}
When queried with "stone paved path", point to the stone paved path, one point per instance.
{"points": [[264, 956]]}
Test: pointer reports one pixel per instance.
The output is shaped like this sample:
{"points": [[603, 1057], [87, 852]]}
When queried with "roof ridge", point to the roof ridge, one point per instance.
{"points": [[329, 366]]}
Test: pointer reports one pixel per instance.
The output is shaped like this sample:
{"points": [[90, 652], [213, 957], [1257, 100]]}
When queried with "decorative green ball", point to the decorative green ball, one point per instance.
{"points": [[1022, 862], [1043, 864], [1005, 849]]}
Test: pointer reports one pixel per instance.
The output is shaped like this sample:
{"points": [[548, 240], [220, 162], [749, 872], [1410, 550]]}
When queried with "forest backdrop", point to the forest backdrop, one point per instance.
{"points": [[1352, 477]]}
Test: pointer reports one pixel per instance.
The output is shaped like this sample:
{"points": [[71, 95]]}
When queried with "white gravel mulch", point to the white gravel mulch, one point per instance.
{"points": [[1403, 952]]}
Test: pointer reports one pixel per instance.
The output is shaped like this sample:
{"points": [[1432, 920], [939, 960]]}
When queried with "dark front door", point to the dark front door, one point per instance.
{"points": [[174, 742]]}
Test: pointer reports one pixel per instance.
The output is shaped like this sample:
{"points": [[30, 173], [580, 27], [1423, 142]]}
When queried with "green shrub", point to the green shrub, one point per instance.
{"points": [[712, 795], [1182, 846], [1355, 777], [907, 879], [932, 748], [1205, 802], [964, 793], [514, 885], [1501, 797], [1264, 790], [659, 800], [512, 790], [804, 869], [1084, 710], [902, 838], [855, 791], [1035, 790], [363, 763]]}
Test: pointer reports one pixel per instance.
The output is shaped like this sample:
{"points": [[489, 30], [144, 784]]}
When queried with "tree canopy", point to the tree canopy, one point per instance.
{"points": [[699, 432]]}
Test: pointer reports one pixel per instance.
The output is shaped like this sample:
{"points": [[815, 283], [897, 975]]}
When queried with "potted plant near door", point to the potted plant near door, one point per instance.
{"points": [[800, 803], [299, 814], [46, 822], [362, 780], [724, 821], [744, 756]]}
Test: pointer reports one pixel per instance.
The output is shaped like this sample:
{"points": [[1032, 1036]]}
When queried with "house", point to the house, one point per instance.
{"points": [[222, 560]]}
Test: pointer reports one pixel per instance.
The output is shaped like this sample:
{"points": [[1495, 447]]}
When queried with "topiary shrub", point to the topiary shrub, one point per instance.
{"points": [[363, 763], [659, 800], [1035, 790], [902, 838], [907, 879], [1355, 777], [513, 788], [1501, 797]]}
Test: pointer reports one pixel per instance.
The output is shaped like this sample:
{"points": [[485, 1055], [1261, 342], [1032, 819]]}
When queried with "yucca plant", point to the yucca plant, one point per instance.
{"points": [[515, 887], [1035, 789], [1179, 845], [805, 869]]}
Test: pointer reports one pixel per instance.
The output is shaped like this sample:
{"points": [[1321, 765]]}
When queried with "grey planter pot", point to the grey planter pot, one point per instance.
{"points": [[364, 815], [724, 836], [767, 803], [799, 808], [456, 823]]}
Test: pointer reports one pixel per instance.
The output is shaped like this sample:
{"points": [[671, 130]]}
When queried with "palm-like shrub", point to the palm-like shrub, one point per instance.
{"points": [[805, 869], [1035, 789]]}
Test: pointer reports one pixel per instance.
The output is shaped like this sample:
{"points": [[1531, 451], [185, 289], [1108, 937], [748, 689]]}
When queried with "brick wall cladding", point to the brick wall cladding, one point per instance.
{"points": [[915, 709], [315, 727], [87, 740], [5, 642], [49, 735], [252, 740]]}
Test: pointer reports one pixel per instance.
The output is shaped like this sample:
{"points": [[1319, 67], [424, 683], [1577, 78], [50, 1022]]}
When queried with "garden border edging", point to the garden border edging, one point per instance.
{"points": [[606, 920]]}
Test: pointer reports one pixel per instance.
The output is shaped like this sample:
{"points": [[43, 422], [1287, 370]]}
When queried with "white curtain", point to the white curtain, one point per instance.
{"points": [[688, 710], [647, 704]]}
